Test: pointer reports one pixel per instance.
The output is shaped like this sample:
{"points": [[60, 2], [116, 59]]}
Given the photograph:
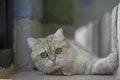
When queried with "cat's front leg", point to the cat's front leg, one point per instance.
{"points": [[106, 65], [62, 71], [66, 71]]}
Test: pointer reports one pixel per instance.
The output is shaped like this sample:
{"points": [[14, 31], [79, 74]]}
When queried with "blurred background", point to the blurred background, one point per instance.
{"points": [[69, 14], [39, 18]]}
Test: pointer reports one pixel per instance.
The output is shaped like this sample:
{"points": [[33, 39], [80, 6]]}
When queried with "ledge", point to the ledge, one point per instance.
{"points": [[32, 75]]}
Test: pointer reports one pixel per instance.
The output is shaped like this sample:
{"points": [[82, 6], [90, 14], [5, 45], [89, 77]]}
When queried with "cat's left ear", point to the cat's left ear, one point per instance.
{"points": [[59, 34], [32, 42]]}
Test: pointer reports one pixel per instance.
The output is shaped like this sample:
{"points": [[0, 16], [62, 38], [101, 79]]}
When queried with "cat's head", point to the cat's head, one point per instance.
{"points": [[49, 53]]}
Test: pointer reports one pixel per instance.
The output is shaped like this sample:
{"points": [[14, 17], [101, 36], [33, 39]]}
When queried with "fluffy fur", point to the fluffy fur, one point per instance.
{"points": [[72, 59]]}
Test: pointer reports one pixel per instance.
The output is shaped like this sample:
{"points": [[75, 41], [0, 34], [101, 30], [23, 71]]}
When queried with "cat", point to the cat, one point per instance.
{"points": [[57, 54]]}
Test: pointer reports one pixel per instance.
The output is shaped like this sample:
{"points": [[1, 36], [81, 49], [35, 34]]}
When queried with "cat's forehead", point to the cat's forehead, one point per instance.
{"points": [[51, 41], [48, 38]]}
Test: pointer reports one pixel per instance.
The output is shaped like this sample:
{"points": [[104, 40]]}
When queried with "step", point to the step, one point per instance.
{"points": [[33, 75]]}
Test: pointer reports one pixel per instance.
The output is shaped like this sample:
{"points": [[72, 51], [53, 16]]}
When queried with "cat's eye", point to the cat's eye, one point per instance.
{"points": [[58, 50], [44, 54]]}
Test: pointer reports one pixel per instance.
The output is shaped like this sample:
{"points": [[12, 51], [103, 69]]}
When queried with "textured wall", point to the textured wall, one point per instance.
{"points": [[58, 11], [27, 24], [85, 13], [82, 15]]}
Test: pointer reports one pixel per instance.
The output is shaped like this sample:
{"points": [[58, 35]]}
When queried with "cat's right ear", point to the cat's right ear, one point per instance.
{"points": [[59, 34], [32, 42]]}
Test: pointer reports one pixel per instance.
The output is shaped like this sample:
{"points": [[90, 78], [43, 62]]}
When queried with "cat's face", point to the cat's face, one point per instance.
{"points": [[49, 53]]}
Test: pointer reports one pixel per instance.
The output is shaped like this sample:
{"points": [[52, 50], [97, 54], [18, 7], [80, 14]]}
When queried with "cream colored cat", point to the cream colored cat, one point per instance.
{"points": [[55, 52]]}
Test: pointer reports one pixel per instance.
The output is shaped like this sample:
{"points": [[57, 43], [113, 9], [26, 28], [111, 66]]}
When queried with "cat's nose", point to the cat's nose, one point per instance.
{"points": [[54, 61]]}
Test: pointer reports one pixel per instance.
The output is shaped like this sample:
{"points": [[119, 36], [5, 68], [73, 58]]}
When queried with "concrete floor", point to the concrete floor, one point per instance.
{"points": [[33, 75]]}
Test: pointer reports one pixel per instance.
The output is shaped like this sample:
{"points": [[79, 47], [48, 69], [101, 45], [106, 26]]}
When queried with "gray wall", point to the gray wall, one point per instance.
{"points": [[82, 15], [85, 13], [26, 24]]}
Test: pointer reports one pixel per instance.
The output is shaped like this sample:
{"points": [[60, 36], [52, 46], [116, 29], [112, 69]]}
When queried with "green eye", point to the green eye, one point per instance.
{"points": [[58, 50], [44, 54]]}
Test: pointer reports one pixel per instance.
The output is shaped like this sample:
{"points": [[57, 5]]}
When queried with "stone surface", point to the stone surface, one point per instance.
{"points": [[105, 35], [95, 38], [5, 57], [37, 76], [115, 31], [23, 30], [6, 72], [113, 27], [118, 27]]}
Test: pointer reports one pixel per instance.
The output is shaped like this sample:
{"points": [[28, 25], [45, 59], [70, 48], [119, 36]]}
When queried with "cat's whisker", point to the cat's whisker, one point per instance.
{"points": [[69, 59], [41, 66], [47, 69]]}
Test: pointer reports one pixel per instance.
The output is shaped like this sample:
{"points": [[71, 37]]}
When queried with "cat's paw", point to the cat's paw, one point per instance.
{"points": [[67, 73], [113, 58]]}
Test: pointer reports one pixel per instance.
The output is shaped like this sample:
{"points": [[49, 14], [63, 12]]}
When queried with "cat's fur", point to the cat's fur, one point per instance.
{"points": [[72, 60]]}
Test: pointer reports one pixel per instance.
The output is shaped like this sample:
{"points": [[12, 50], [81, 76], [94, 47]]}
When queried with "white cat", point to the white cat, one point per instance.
{"points": [[57, 54]]}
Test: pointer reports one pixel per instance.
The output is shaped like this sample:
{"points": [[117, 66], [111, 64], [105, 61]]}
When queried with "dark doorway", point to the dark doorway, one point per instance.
{"points": [[6, 29]]}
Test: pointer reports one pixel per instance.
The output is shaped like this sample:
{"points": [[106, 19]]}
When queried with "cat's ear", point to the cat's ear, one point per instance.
{"points": [[32, 42], [59, 34]]}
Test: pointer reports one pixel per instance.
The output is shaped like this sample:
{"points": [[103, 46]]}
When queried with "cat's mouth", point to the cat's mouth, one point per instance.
{"points": [[55, 65], [35, 68]]}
